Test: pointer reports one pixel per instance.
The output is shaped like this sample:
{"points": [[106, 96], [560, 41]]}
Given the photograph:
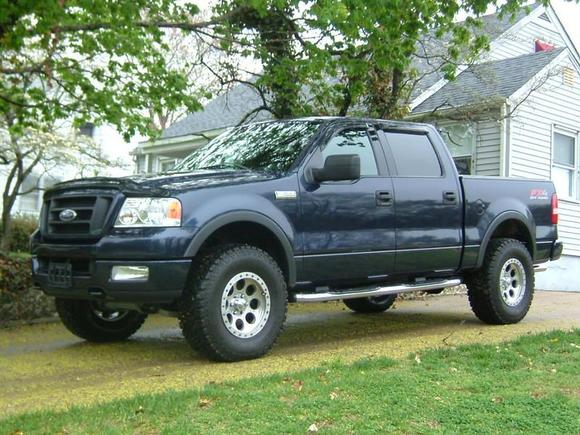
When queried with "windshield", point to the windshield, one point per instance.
{"points": [[271, 146]]}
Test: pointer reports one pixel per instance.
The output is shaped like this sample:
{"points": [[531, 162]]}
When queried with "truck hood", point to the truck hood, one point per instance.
{"points": [[166, 183]]}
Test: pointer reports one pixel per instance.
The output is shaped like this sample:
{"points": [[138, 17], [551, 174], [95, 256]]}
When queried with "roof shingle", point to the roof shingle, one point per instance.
{"points": [[431, 52], [485, 81], [229, 109], [226, 110]]}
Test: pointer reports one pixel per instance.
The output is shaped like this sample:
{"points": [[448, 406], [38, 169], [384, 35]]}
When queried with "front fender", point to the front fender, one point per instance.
{"points": [[216, 213]]}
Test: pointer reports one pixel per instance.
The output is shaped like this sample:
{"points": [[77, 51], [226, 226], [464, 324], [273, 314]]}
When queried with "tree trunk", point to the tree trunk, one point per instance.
{"points": [[13, 183], [6, 234]]}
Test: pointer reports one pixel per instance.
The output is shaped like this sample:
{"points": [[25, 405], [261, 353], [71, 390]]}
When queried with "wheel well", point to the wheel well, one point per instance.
{"points": [[514, 229], [250, 233]]}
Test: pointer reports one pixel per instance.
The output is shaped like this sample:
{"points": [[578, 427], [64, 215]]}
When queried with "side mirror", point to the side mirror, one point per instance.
{"points": [[339, 167]]}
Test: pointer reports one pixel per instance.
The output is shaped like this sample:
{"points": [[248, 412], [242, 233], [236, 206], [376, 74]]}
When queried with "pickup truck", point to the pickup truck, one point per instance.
{"points": [[301, 210]]}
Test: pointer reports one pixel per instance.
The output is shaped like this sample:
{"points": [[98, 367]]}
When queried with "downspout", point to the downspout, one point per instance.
{"points": [[505, 141], [508, 139]]}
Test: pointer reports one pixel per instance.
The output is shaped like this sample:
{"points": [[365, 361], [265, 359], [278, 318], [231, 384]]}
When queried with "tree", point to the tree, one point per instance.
{"points": [[349, 56], [28, 151], [195, 59], [100, 61]]}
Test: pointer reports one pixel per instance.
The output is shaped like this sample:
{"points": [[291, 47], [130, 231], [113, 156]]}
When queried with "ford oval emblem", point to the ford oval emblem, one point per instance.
{"points": [[67, 215]]}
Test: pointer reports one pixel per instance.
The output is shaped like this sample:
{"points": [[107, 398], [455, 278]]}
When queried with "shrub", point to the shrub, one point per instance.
{"points": [[22, 227], [18, 299]]}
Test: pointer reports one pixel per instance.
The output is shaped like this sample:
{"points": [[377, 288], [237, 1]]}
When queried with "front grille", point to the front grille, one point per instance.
{"points": [[90, 213]]}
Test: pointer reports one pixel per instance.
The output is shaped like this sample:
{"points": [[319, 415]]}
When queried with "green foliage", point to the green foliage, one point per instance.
{"points": [[18, 299], [22, 226], [97, 61], [529, 385], [351, 54], [107, 61]]}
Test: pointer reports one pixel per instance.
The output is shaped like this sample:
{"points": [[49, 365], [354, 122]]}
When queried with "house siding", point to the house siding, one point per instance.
{"points": [[487, 152], [487, 144], [554, 105], [521, 40]]}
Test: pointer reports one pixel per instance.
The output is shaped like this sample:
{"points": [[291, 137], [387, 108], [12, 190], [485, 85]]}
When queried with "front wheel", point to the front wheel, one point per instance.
{"points": [[88, 320], [236, 304], [501, 292]]}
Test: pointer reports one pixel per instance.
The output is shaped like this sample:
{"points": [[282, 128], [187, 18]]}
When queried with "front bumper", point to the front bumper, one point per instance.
{"points": [[159, 249], [91, 279]]}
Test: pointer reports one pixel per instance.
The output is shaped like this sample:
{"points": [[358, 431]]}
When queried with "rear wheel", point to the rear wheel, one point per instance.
{"points": [[89, 320], [501, 292], [376, 304], [236, 305]]}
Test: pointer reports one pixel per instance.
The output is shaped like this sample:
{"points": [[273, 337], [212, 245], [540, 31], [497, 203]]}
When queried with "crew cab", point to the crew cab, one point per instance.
{"points": [[301, 210]]}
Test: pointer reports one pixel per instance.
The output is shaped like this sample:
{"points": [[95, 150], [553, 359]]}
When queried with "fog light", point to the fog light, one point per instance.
{"points": [[130, 273]]}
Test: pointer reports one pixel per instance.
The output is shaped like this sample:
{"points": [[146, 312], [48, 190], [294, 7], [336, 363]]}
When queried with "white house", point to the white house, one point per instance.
{"points": [[514, 113], [107, 140]]}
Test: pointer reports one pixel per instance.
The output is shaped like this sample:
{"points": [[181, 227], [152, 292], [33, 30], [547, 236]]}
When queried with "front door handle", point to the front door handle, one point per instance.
{"points": [[449, 197], [384, 198]]}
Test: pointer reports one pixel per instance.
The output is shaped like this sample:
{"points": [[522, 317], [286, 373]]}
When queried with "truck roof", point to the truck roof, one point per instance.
{"points": [[329, 119]]}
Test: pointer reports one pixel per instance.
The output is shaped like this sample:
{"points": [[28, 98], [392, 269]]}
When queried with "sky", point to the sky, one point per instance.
{"points": [[568, 12]]}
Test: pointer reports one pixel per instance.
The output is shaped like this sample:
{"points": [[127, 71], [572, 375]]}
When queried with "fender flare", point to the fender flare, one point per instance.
{"points": [[245, 216], [503, 217]]}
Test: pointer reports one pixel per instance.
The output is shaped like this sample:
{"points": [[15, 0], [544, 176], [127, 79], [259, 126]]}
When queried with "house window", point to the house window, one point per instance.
{"points": [[167, 165], [87, 129], [460, 139], [565, 173]]}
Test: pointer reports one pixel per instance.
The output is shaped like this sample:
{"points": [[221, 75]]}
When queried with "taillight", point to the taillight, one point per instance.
{"points": [[554, 208]]}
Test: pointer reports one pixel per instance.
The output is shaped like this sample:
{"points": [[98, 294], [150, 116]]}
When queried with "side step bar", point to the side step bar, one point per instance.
{"points": [[380, 291]]}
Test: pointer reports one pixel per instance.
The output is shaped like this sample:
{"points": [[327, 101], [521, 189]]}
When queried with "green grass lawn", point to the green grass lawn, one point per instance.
{"points": [[530, 385]]}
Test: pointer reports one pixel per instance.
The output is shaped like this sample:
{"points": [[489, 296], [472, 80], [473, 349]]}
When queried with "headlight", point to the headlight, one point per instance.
{"points": [[149, 212]]}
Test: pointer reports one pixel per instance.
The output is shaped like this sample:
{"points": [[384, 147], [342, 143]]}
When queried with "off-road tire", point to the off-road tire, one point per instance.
{"points": [[78, 316], [201, 313], [483, 285], [371, 304]]}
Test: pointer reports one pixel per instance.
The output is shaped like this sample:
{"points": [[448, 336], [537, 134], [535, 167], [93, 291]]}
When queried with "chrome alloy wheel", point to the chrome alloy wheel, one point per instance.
{"points": [[245, 305], [512, 282]]}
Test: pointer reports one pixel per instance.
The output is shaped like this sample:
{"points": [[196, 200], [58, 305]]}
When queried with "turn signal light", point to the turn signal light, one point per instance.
{"points": [[174, 210]]}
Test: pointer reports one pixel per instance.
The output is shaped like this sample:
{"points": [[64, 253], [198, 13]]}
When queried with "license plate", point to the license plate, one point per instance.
{"points": [[60, 275]]}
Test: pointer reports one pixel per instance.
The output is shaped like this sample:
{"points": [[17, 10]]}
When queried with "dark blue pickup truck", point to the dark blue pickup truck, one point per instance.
{"points": [[302, 210]]}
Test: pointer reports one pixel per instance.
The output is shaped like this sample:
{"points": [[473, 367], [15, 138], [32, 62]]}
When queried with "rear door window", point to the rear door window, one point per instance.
{"points": [[413, 155]]}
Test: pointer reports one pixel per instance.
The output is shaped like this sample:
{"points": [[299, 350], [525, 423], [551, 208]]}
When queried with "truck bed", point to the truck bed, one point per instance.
{"points": [[488, 200]]}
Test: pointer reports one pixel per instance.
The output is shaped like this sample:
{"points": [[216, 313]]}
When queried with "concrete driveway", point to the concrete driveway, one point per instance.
{"points": [[43, 366]]}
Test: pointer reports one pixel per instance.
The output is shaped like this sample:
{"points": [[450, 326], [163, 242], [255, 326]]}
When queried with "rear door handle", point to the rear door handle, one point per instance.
{"points": [[384, 198], [449, 197]]}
